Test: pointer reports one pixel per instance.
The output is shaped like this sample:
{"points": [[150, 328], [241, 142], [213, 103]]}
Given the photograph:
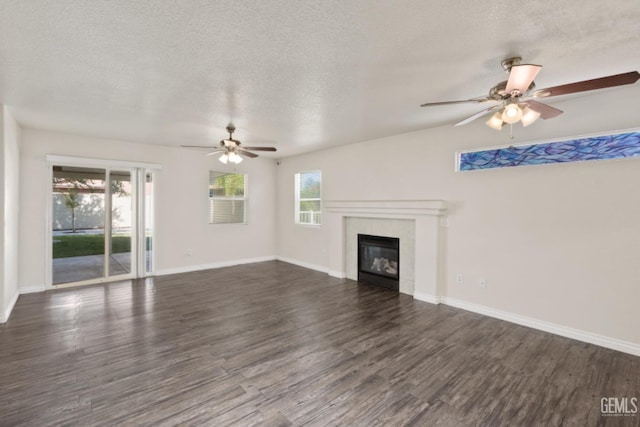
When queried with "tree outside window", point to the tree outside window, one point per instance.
{"points": [[309, 198], [227, 198]]}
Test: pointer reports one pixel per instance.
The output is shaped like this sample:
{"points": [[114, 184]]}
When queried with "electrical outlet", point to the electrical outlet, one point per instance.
{"points": [[483, 283], [460, 279], [188, 252]]}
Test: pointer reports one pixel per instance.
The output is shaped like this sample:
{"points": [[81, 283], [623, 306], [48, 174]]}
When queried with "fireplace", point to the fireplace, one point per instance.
{"points": [[417, 223], [379, 261]]}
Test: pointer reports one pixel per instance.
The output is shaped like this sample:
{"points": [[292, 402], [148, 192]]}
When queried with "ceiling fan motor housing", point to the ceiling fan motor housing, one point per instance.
{"points": [[499, 93], [510, 62]]}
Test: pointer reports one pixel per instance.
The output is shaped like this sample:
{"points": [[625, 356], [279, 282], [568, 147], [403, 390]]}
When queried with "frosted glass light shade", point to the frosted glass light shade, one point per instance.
{"points": [[512, 113], [529, 116], [234, 158], [224, 158], [495, 122]]}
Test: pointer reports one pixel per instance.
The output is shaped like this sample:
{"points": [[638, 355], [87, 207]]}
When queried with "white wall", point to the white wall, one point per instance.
{"points": [[10, 159], [181, 203], [559, 243], [86, 216], [3, 312]]}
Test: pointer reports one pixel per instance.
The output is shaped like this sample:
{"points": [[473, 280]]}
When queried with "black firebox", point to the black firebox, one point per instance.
{"points": [[379, 261]]}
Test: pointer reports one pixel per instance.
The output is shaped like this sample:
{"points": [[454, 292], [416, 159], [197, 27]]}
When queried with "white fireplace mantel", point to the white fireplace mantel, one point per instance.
{"points": [[425, 213], [387, 208]]}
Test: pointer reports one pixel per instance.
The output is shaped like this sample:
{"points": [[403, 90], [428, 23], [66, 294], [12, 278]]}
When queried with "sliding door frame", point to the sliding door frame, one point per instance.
{"points": [[137, 170], [141, 221]]}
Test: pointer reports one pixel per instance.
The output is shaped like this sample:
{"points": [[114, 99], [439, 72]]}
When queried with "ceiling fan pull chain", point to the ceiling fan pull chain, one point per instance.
{"points": [[511, 131]]}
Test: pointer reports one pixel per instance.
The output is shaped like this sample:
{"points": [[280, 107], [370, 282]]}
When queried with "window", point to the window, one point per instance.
{"points": [[309, 198], [227, 198]]}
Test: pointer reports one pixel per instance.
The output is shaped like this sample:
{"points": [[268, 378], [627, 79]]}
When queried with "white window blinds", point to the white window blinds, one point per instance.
{"points": [[227, 198]]}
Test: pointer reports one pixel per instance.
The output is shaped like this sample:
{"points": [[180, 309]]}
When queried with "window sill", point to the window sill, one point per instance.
{"points": [[301, 224]]}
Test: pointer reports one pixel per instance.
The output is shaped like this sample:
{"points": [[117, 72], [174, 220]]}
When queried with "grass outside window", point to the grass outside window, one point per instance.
{"points": [[82, 245]]}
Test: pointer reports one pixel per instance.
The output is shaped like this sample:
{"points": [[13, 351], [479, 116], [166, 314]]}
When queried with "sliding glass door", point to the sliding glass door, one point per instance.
{"points": [[120, 227], [101, 224], [147, 223], [78, 214]]}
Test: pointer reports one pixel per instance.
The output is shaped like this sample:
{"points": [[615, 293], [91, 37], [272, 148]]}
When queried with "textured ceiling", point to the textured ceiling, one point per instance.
{"points": [[302, 75]]}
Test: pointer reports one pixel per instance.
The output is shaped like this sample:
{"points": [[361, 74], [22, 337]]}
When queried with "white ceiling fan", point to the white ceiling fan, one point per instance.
{"points": [[516, 97], [231, 149]]}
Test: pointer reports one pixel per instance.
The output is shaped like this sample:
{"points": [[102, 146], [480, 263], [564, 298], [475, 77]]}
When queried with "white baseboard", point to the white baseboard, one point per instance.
{"points": [[337, 274], [198, 267], [564, 331], [421, 296], [31, 289], [303, 264], [186, 269], [5, 315]]}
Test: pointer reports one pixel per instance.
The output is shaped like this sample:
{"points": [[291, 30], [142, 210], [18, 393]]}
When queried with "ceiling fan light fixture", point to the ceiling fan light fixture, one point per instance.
{"points": [[529, 116], [234, 158], [231, 149], [495, 122], [517, 92], [512, 113]]}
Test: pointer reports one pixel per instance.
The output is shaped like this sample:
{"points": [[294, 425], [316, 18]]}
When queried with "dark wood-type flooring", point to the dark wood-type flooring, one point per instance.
{"points": [[276, 344]]}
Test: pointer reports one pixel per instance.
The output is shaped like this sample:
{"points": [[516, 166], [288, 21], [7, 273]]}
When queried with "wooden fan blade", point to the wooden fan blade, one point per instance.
{"points": [[215, 151], [521, 76], [586, 85], [208, 147], [260, 148], [546, 111], [465, 101], [478, 115], [244, 152]]}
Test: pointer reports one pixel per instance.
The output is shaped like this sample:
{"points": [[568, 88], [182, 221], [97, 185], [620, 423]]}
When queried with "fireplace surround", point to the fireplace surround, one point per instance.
{"points": [[418, 224]]}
